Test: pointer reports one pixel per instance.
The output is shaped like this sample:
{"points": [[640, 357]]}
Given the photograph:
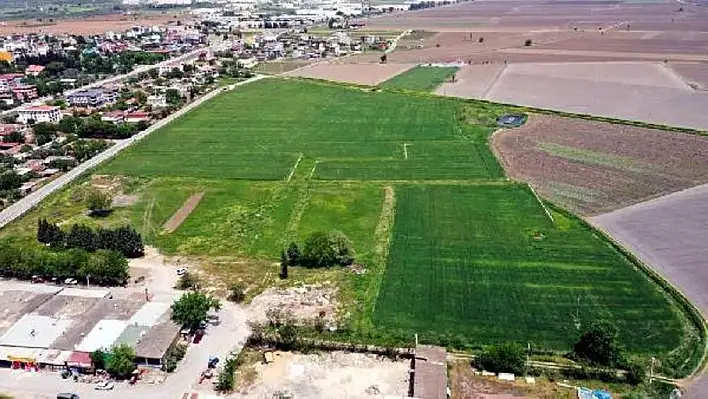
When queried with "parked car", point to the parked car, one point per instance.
{"points": [[181, 271], [67, 396], [70, 281], [104, 386]]}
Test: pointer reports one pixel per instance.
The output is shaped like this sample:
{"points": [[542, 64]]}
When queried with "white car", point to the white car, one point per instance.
{"points": [[104, 386], [70, 281], [181, 271]]}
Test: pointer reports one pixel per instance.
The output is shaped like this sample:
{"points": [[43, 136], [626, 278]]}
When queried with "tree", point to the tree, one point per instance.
{"points": [[191, 309], [528, 42], [98, 359], [330, 249], [128, 242], [599, 345], [293, 254], [507, 357], [173, 97], [15, 137], [105, 267], [82, 237], [284, 262], [481, 39], [98, 201], [69, 124], [121, 362], [636, 373]]}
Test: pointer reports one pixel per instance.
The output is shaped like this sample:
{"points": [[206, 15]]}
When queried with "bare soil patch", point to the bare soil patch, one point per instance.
{"points": [[594, 167], [472, 81], [90, 25], [695, 74], [364, 74], [303, 303], [328, 375], [182, 213]]}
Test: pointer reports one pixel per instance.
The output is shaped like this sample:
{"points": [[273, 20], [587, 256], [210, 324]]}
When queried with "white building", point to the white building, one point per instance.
{"points": [[157, 101], [39, 113]]}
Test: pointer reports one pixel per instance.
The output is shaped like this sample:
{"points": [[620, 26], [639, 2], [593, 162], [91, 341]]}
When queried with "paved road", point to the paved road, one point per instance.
{"points": [[19, 208]]}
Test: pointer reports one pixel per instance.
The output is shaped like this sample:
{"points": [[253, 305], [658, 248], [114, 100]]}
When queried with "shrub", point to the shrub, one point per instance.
{"points": [[528, 42], [507, 357], [97, 201], [332, 249], [121, 362], [187, 281], [599, 345], [173, 356], [636, 373], [238, 293]]}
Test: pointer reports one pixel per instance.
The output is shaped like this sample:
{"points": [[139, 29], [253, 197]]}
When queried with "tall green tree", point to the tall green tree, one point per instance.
{"points": [[191, 309], [121, 361], [599, 345]]}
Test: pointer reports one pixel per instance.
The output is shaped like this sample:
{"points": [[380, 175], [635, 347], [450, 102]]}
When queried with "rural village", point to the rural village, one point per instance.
{"points": [[332, 199]]}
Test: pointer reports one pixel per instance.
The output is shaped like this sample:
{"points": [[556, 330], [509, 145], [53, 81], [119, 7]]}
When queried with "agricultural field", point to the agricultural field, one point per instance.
{"points": [[337, 133], [593, 167], [421, 78], [447, 247]]}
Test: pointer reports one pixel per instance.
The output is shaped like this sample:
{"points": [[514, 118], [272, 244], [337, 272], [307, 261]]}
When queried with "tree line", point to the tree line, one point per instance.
{"points": [[124, 240], [23, 260], [320, 250]]}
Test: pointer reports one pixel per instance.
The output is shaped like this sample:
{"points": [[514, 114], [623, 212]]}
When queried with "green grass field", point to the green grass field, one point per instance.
{"points": [[482, 264], [259, 132], [420, 78], [453, 251]]}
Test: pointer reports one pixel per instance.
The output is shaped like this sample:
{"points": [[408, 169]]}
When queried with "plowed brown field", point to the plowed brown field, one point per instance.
{"points": [[90, 25], [594, 167]]}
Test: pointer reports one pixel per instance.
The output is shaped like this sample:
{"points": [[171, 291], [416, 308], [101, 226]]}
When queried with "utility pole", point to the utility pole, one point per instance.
{"points": [[651, 370]]}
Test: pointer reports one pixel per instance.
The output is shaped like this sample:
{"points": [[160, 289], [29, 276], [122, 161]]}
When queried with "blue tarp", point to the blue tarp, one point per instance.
{"points": [[585, 393]]}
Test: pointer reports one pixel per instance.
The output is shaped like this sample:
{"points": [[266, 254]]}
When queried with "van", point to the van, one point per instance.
{"points": [[67, 396]]}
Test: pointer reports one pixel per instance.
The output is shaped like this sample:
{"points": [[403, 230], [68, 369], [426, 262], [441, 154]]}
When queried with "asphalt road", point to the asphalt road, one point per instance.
{"points": [[20, 207]]}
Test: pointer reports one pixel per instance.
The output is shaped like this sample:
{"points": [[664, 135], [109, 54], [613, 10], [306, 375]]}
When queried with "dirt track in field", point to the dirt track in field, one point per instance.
{"points": [[595, 167], [182, 213]]}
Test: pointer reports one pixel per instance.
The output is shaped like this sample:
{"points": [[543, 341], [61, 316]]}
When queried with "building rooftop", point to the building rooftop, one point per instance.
{"points": [[103, 335], [35, 331], [39, 108], [157, 340], [149, 314]]}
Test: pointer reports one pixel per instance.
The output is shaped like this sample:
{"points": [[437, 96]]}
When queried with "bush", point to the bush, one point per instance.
{"points": [[324, 250], [528, 42], [599, 345], [237, 293], [508, 357], [636, 373], [98, 202], [225, 381], [187, 281], [173, 356]]}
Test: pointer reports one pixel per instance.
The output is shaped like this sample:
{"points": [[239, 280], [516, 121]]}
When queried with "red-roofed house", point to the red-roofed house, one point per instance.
{"points": [[135, 117], [25, 92], [34, 70], [113, 116], [6, 129], [10, 80]]}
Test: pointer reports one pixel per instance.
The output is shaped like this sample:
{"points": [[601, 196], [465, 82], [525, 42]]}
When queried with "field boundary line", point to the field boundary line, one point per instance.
{"points": [[548, 213], [493, 83], [292, 172], [382, 239], [312, 172], [298, 210]]}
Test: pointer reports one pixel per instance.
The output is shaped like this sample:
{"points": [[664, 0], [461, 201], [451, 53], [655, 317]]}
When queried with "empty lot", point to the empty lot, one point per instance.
{"points": [[363, 74], [636, 91]]}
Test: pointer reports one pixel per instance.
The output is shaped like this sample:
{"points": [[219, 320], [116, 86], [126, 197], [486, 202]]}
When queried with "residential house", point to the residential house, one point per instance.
{"points": [[7, 129], [91, 98], [33, 70], [247, 62], [25, 92], [113, 116], [135, 117], [157, 101], [10, 80], [39, 113]]}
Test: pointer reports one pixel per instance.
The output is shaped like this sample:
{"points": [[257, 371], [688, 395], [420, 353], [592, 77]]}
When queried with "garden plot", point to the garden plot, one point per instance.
{"points": [[481, 264], [363, 74]]}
